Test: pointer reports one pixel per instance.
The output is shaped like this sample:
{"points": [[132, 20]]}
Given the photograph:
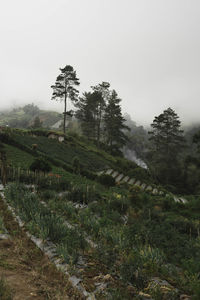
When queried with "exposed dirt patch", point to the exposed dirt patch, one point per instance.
{"points": [[27, 270]]}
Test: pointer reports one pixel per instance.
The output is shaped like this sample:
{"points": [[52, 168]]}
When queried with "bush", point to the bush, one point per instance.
{"points": [[88, 174], [106, 180], [76, 165], [40, 164], [135, 195], [141, 174], [125, 165]]}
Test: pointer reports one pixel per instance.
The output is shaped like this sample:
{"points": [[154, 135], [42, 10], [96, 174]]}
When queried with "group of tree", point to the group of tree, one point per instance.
{"points": [[100, 116], [164, 147], [98, 111]]}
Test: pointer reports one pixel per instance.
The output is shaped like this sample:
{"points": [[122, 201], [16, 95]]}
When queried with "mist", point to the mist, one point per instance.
{"points": [[147, 50]]}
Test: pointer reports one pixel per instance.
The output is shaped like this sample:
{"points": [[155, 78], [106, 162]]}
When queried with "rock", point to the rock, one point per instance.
{"points": [[107, 277], [138, 182], [125, 179], [115, 174], [155, 191], [109, 171], [160, 282], [4, 236], [119, 177], [143, 186], [131, 181], [144, 296], [74, 280], [98, 278], [166, 289], [149, 188], [131, 289], [184, 297]]}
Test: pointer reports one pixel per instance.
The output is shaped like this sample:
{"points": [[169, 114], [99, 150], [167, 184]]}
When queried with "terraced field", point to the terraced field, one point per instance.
{"points": [[105, 245]]}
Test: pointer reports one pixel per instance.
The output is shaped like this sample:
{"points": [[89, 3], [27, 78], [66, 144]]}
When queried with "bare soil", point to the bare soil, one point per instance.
{"points": [[27, 271]]}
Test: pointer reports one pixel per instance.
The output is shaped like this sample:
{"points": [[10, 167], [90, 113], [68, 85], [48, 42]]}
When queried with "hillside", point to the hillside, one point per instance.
{"points": [[23, 118], [118, 241]]}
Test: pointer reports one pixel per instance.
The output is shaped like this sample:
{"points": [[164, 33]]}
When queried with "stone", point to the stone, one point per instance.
{"points": [[109, 171], [118, 178], [165, 288], [52, 136], [143, 186], [145, 296], [98, 278], [138, 182], [126, 179], [107, 277], [131, 289], [74, 280], [155, 191], [114, 174], [149, 188], [159, 281], [183, 200], [61, 139], [184, 297], [4, 236], [176, 199], [131, 181], [100, 172]]}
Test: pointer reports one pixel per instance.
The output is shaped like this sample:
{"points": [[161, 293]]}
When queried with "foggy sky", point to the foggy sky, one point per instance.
{"points": [[149, 50]]}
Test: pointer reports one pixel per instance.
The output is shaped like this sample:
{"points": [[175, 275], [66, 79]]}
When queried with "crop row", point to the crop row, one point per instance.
{"points": [[151, 237]]}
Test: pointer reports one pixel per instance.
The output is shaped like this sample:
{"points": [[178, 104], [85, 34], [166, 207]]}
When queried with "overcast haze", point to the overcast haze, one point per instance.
{"points": [[149, 50]]}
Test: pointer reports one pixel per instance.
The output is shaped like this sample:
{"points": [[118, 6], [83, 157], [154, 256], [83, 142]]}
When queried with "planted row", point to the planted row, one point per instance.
{"points": [[41, 222]]}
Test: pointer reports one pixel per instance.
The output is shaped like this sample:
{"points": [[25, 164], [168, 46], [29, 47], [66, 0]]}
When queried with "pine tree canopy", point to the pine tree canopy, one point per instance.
{"points": [[64, 88]]}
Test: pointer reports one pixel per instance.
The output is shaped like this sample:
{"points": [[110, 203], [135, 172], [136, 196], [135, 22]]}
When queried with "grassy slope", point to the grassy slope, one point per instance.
{"points": [[17, 157], [170, 230], [90, 157]]}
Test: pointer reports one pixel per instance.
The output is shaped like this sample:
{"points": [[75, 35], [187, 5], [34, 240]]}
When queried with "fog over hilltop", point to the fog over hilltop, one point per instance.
{"points": [[147, 50]]}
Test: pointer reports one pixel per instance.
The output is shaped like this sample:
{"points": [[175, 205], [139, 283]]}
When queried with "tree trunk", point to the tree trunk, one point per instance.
{"points": [[65, 110]]}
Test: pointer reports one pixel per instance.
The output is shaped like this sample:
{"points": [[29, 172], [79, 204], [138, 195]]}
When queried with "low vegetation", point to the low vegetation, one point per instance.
{"points": [[136, 237]]}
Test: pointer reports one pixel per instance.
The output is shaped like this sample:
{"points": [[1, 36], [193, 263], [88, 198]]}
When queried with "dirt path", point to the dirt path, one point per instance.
{"points": [[27, 271]]}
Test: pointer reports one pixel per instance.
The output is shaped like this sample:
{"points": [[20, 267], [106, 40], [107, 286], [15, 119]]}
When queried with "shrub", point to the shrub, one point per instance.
{"points": [[88, 174], [106, 180], [119, 204], [76, 165], [82, 193], [135, 195], [139, 173], [131, 269], [40, 164], [125, 165]]}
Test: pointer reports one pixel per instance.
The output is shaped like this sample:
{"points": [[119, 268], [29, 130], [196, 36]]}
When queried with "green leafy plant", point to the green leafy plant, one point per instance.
{"points": [[40, 164], [106, 180]]}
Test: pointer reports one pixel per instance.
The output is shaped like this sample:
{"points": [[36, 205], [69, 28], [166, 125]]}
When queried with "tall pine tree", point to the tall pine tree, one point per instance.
{"points": [[87, 113], [64, 88], [103, 93], [167, 143], [114, 123]]}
